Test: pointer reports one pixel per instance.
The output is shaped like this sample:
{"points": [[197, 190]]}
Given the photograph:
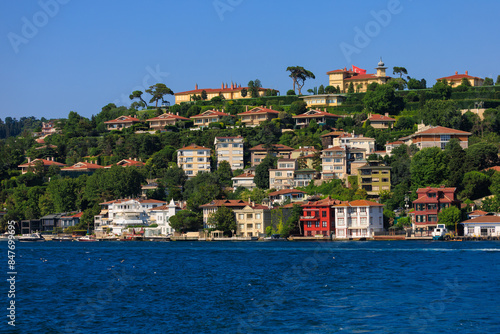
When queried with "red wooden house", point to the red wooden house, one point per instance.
{"points": [[429, 203], [319, 217]]}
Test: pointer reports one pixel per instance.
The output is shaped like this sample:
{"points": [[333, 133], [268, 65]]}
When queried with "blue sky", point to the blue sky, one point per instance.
{"points": [[81, 55]]}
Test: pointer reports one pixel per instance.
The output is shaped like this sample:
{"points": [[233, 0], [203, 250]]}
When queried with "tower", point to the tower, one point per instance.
{"points": [[381, 68]]}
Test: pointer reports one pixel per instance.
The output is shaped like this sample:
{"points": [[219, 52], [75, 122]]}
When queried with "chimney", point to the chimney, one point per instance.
{"points": [[386, 114], [196, 86], [232, 85], [246, 108], [177, 113], [456, 72], [226, 85], [270, 107], [466, 72], [29, 160], [222, 86]]}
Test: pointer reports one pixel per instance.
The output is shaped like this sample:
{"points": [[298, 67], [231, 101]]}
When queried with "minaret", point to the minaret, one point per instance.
{"points": [[381, 68]]}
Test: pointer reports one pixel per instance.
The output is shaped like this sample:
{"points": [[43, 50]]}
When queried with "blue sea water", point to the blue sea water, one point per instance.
{"points": [[256, 287]]}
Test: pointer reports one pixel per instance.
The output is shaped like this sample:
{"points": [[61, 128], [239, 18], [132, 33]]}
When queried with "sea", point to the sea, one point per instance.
{"points": [[255, 287]]}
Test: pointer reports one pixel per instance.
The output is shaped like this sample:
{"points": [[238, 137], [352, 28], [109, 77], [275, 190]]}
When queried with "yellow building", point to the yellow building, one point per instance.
{"points": [[210, 116], [374, 177], [194, 159], [252, 220], [258, 115], [456, 80], [160, 122], [323, 100], [228, 92], [230, 149], [361, 81]]}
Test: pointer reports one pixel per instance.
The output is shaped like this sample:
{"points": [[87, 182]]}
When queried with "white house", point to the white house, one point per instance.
{"points": [[119, 214], [482, 226], [358, 219], [161, 215]]}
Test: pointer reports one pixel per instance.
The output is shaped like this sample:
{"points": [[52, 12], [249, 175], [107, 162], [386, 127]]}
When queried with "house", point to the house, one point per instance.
{"points": [[342, 78], [128, 163], [327, 138], [161, 216], [392, 145], [374, 177], [257, 116], [333, 163], [118, 214], [160, 122], [358, 219], [482, 226], [120, 123], [210, 116], [49, 128], [303, 176], [292, 195], [245, 180], [29, 226], [305, 156], [350, 140], [194, 159], [476, 213], [381, 121], [319, 217], [230, 149], [282, 177], [456, 80], [259, 152], [30, 166], [80, 168], [70, 220], [323, 100], [429, 203], [252, 220], [321, 118], [51, 221], [436, 136], [212, 207], [228, 92]]}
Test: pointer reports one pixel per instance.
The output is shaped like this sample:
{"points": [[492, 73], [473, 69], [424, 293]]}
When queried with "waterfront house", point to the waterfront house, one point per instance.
{"points": [[194, 159], [161, 216], [257, 116], [252, 220], [318, 217], [429, 203], [482, 226], [120, 123], [29, 226], [358, 219], [160, 122], [259, 152], [212, 207], [70, 220], [436, 136], [230, 149], [210, 116]]}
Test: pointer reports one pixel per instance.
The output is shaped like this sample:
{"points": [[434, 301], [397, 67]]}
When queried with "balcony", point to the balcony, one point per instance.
{"points": [[309, 217]]}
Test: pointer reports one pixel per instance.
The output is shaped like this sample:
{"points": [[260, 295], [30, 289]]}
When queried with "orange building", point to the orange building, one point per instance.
{"points": [[456, 80]]}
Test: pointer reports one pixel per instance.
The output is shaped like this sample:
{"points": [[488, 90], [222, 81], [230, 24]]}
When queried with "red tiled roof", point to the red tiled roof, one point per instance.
{"points": [[244, 175], [380, 118], [333, 133], [324, 202], [225, 202], [495, 168], [277, 147], [360, 202], [397, 142], [140, 200], [167, 116], [430, 189], [194, 147], [82, 166], [123, 119], [127, 163], [316, 113], [341, 71], [436, 130], [459, 77], [259, 110], [45, 163], [335, 148], [286, 191], [362, 77], [477, 213], [483, 220], [210, 113]]}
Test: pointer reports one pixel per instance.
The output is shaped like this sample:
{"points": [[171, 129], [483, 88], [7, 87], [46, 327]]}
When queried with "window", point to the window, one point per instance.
{"points": [[337, 160], [385, 180], [419, 207], [445, 138], [249, 216], [257, 216], [340, 221], [323, 214], [201, 152], [201, 159], [241, 216], [189, 159], [340, 210], [242, 227], [258, 226], [362, 210], [338, 167], [433, 218], [308, 224], [432, 206], [317, 224], [431, 195], [327, 159], [189, 172], [189, 166], [362, 221], [325, 224], [278, 174]]}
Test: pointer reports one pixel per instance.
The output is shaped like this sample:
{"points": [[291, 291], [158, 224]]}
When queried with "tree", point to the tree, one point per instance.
{"points": [[350, 90], [137, 94], [399, 70], [244, 92], [158, 91], [224, 220], [497, 83], [224, 174], [428, 167], [475, 185], [330, 90], [398, 83], [383, 99], [204, 95], [482, 155], [298, 107], [186, 221], [442, 88], [321, 89], [450, 216], [416, 84], [262, 171], [299, 75], [290, 92], [488, 81], [495, 184], [443, 113], [253, 88]]}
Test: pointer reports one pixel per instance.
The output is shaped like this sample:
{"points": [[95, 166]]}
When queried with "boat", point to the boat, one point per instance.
{"points": [[62, 238], [87, 238], [275, 237], [439, 232], [33, 237]]}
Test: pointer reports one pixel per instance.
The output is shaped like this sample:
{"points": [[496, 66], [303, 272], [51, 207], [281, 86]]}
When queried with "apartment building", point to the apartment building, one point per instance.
{"points": [[374, 177], [333, 163], [252, 220], [194, 159], [230, 149], [283, 176], [350, 140], [212, 207], [259, 152], [358, 219]]}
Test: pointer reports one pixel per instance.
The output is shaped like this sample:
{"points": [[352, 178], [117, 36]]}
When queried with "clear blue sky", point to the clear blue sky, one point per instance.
{"points": [[86, 54]]}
